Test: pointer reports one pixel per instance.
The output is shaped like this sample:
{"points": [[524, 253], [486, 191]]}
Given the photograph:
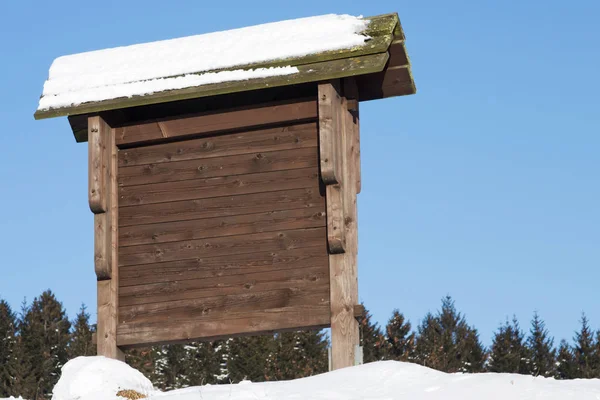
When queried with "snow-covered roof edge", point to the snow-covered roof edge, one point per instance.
{"points": [[369, 57]]}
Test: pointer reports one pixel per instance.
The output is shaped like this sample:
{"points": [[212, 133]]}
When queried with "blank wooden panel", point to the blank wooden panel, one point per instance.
{"points": [[222, 226], [222, 206], [305, 278], [218, 246], [272, 139], [248, 322], [212, 122], [222, 266], [218, 187], [259, 161]]}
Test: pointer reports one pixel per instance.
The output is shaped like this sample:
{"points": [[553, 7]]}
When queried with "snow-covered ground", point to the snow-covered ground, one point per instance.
{"points": [[95, 378]]}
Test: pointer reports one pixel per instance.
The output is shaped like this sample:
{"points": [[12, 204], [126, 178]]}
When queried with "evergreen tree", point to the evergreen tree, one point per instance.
{"points": [[247, 358], [371, 339], [81, 337], [539, 343], [401, 341], [565, 362], [147, 361], [447, 343], [205, 362], [509, 353], [297, 355], [8, 348], [584, 351], [45, 335], [170, 367]]}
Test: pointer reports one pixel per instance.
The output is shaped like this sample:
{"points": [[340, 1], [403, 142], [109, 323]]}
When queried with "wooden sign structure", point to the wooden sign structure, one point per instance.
{"points": [[230, 208]]}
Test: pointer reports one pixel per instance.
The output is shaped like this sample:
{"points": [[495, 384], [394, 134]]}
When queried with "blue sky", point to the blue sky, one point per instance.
{"points": [[483, 186]]}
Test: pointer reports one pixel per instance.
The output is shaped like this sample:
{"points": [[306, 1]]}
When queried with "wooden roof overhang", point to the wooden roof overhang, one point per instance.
{"points": [[381, 67]]}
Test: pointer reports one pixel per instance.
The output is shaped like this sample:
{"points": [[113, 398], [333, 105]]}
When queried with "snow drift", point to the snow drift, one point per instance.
{"points": [[95, 378]]}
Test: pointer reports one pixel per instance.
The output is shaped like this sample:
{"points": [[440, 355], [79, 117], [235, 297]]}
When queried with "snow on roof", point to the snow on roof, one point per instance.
{"points": [[143, 69], [99, 378]]}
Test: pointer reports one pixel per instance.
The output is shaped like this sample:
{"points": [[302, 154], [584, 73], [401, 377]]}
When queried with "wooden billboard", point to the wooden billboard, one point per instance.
{"points": [[231, 209]]}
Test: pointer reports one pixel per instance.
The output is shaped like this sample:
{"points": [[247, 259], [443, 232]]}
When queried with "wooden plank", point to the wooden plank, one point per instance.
{"points": [[315, 72], [343, 271], [395, 81], [271, 139], [222, 226], [212, 247], [98, 133], [218, 186], [336, 238], [223, 166], [143, 334], [108, 289], [398, 55], [222, 206], [220, 121], [329, 132], [352, 95], [250, 282], [102, 221], [220, 306], [216, 267]]}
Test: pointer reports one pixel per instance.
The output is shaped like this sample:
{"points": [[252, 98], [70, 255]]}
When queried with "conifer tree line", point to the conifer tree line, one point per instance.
{"points": [[38, 340]]}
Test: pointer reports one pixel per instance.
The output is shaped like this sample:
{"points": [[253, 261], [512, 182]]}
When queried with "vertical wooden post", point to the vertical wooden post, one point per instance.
{"points": [[337, 146], [103, 198]]}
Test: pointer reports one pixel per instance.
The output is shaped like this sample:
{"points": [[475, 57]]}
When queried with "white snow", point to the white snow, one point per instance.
{"points": [[140, 69], [385, 380], [98, 378]]}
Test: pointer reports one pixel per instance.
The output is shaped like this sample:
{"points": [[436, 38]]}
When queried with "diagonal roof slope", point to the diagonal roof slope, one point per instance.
{"points": [[276, 54]]}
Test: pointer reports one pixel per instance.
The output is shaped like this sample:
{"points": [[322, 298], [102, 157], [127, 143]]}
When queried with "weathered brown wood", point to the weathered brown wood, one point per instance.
{"points": [[222, 226], [335, 219], [218, 186], [108, 295], [263, 140], [222, 166], [221, 266], [250, 282], [306, 317], [351, 94], [329, 132], [343, 271], [222, 206], [395, 81], [213, 122], [398, 55], [220, 306], [98, 133], [212, 247], [359, 311]]}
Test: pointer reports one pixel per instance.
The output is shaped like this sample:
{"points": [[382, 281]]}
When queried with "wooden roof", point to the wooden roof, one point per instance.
{"points": [[381, 67]]}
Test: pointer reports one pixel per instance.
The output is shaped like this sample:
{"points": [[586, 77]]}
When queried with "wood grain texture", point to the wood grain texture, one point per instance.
{"points": [[225, 206], [343, 269], [351, 93], [222, 266], [251, 141], [257, 322], [108, 289], [307, 277], [218, 186], [213, 247], [222, 121], [259, 161], [222, 226], [98, 134], [336, 237], [329, 105]]}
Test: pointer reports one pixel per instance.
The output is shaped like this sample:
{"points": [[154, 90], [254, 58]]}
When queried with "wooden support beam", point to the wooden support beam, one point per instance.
{"points": [[97, 134], [341, 205], [105, 241]]}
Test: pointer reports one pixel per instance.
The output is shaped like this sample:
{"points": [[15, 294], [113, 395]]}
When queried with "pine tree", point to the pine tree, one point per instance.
{"points": [[24, 381], [401, 341], [45, 335], [371, 339], [565, 362], [247, 357], [298, 355], [584, 351], [539, 343], [81, 337], [509, 353], [146, 360], [8, 348], [205, 362], [170, 367], [447, 343]]}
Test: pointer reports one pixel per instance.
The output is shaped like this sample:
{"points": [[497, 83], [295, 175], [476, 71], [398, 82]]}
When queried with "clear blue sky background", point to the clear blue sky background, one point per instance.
{"points": [[483, 186]]}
